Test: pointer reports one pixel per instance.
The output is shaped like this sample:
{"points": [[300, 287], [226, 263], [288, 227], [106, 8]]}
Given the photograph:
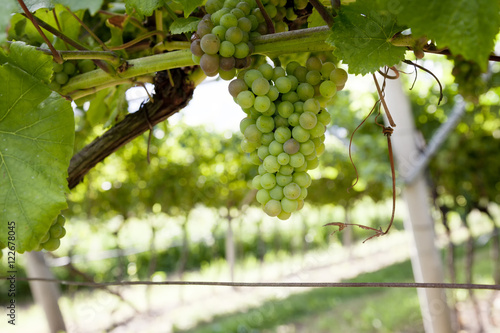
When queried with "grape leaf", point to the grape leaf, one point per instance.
{"points": [[315, 19], [142, 7], [27, 58], [189, 5], [362, 34], [183, 25], [465, 27], [36, 144]]}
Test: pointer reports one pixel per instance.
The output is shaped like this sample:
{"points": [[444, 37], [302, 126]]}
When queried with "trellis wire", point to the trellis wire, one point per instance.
{"points": [[272, 284]]}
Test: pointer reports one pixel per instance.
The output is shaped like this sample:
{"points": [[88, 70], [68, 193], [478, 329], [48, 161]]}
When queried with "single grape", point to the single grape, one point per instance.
{"points": [[276, 192], [262, 196], [238, 13], [291, 67], [227, 64], [278, 72], [267, 181], [297, 160], [303, 194], [286, 170], [248, 147], [300, 73], [324, 117], [260, 86], [312, 105], [327, 89], [56, 67], [313, 77], [298, 106], [288, 205], [220, 32], [245, 24], [226, 49], [326, 69], [291, 191], [283, 180], [302, 179], [285, 109], [313, 64], [86, 65], [318, 130], [266, 70], [305, 91], [293, 120], [211, 6], [307, 148], [273, 93], [265, 124], [338, 76], [282, 134], [275, 148], [234, 35], [251, 75], [272, 207], [300, 134], [205, 26], [245, 99], [52, 244], [61, 78], [291, 146], [312, 164], [267, 138], [290, 96], [271, 164], [252, 133], [237, 86], [283, 158], [284, 84], [279, 121], [262, 103], [228, 20], [263, 152], [209, 63], [210, 43]]}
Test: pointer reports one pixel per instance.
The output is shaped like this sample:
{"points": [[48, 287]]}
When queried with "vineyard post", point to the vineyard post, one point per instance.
{"points": [[45, 294], [425, 257]]}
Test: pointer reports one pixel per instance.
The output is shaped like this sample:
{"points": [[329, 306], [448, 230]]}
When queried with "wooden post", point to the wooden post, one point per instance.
{"points": [[425, 257], [45, 294]]}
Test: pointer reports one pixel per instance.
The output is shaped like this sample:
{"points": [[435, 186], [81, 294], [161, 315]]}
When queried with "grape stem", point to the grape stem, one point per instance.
{"points": [[32, 18], [325, 14], [269, 22], [92, 55]]}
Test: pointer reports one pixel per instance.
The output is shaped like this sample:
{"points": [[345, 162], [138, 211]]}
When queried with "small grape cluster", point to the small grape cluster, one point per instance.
{"points": [[52, 239], [285, 126], [63, 72], [221, 43]]}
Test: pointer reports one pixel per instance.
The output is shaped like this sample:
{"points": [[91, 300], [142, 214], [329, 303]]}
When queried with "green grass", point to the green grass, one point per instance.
{"points": [[326, 310], [332, 309]]}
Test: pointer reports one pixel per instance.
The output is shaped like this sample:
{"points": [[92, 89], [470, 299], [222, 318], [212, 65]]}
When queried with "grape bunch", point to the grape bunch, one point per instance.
{"points": [[51, 240], [63, 72], [221, 43], [284, 128]]}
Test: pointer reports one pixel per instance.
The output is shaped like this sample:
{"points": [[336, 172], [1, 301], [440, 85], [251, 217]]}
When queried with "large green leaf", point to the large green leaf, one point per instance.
{"points": [[362, 35], [466, 27], [36, 144], [189, 5], [143, 7]]}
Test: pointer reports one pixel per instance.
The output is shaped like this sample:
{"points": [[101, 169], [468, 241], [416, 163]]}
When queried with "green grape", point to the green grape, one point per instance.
{"points": [[228, 20], [302, 179], [56, 67], [327, 89], [267, 138], [262, 196], [251, 75], [300, 73], [280, 121], [284, 215], [245, 7], [326, 70], [297, 160], [256, 182], [338, 76], [220, 32], [307, 148], [252, 133], [196, 48], [275, 148], [271, 164], [210, 43], [291, 146], [217, 16], [245, 99], [284, 84], [227, 75], [283, 180], [282, 134], [52, 244], [278, 72], [262, 103], [318, 130], [276, 193], [293, 120], [313, 64], [211, 6], [312, 105], [260, 86], [263, 152], [234, 35], [267, 181], [267, 71], [245, 122], [273, 93], [313, 77], [271, 10], [307, 120], [248, 147], [303, 194], [283, 158], [291, 67], [291, 191], [320, 149], [286, 170], [300, 134], [272, 207], [288, 205], [294, 81], [46, 237], [238, 13], [226, 49], [298, 106], [245, 24], [261, 170], [305, 91], [54, 86], [61, 78], [312, 164], [265, 124], [285, 109], [324, 117], [56, 231], [86, 65], [290, 14], [290, 96]]}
